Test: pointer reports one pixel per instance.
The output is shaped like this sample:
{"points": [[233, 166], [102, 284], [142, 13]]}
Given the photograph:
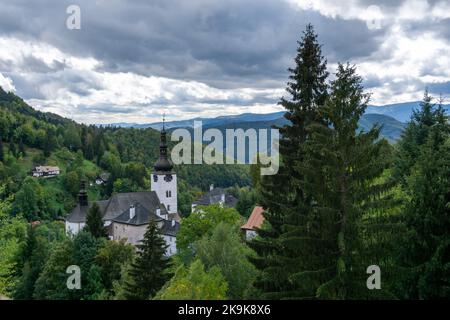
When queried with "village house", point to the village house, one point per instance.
{"points": [[215, 196], [45, 171], [254, 222], [102, 178]]}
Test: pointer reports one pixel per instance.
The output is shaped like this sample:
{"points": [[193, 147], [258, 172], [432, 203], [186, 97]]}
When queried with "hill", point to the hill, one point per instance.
{"points": [[30, 137]]}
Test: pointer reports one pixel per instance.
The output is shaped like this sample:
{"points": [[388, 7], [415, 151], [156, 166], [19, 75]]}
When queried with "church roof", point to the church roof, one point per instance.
{"points": [[79, 213], [117, 204], [142, 216]]}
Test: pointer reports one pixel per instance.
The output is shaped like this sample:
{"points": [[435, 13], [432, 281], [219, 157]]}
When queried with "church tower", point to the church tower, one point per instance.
{"points": [[164, 180]]}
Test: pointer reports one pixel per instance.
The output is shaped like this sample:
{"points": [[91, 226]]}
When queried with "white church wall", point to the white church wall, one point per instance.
{"points": [[172, 245], [74, 227]]}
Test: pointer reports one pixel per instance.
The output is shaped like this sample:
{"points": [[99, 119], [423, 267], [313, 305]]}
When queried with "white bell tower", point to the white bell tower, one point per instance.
{"points": [[164, 180]]}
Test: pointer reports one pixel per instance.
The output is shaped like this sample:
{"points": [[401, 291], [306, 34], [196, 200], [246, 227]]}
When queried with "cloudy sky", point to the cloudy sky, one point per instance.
{"points": [[133, 60]]}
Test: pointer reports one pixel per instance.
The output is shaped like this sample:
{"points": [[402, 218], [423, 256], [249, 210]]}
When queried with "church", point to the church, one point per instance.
{"points": [[127, 215]]}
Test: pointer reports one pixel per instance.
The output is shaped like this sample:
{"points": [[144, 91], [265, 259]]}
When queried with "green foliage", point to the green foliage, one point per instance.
{"points": [[51, 283], [194, 283], [112, 256], [415, 135], [203, 222], [94, 222], [148, 270], [424, 252], [72, 182], [12, 236], [225, 249], [30, 200], [282, 194], [34, 254], [247, 199]]}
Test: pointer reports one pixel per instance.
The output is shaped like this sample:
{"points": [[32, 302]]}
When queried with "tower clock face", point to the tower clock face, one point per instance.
{"points": [[168, 178], [155, 178]]}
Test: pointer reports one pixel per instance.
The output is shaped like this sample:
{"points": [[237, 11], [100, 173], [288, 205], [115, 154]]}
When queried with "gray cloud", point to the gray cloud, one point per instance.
{"points": [[224, 44]]}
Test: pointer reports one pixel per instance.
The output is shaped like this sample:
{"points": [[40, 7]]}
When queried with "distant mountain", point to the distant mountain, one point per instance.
{"points": [[391, 130], [400, 111]]}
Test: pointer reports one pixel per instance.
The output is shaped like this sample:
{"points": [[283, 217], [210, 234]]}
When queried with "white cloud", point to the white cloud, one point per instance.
{"points": [[113, 97], [6, 83]]}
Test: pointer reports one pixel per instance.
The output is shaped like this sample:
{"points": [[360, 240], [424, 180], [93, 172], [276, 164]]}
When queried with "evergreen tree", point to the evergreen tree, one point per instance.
{"points": [[342, 171], [281, 193], [12, 148], [22, 148], [94, 222], [148, 270], [2, 155], [415, 135], [424, 253]]}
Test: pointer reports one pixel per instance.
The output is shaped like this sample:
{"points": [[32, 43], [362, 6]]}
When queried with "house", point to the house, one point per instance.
{"points": [[45, 171], [254, 222], [215, 196], [127, 215], [102, 178]]}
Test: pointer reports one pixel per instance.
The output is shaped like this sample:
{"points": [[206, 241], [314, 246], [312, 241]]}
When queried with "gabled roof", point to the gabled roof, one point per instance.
{"points": [[142, 216], [120, 202], [214, 196], [255, 220], [170, 228], [79, 213], [117, 204]]}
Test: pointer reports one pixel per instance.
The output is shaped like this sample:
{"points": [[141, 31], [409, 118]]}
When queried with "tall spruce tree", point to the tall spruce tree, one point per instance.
{"points": [[424, 253], [415, 135], [342, 171], [94, 222], [148, 271], [282, 196]]}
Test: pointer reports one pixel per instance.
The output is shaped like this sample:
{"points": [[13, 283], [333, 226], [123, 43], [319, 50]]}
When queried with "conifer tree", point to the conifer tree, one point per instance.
{"points": [[415, 135], [2, 155], [94, 222], [148, 271], [22, 148], [424, 252], [12, 148], [342, 170], [281, 193]]}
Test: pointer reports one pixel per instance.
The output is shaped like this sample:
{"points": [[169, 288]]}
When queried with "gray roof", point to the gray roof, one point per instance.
{"points": [[214, 196], [79, 213], [118, 204], [169, 229], [142, 216]]}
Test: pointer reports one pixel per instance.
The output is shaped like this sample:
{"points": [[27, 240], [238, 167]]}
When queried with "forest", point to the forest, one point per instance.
{"points": [[343, 200]]}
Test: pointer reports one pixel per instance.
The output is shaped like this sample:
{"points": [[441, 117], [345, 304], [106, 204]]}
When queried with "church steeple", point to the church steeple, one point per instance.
{"points": [[163, 163]]}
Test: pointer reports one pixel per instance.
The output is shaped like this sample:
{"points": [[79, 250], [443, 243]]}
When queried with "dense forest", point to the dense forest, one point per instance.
{"points": [[344, 200]]}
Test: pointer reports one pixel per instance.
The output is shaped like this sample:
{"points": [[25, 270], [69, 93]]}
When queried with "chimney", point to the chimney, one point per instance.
{"points": [[82, 195], [222, 198], [132, 211], [158, 212], [211, 187], [173, 223]]}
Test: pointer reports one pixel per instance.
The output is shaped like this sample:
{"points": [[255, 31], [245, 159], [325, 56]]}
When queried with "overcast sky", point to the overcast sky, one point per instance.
{"points": [[133, 60]]}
